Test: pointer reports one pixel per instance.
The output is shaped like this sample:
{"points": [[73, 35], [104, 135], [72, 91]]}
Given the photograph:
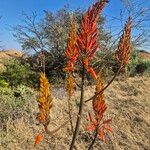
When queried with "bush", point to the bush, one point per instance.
{"points": [[54, 66], [138, 66], [16, 73], [143, 68], [135, 60]]}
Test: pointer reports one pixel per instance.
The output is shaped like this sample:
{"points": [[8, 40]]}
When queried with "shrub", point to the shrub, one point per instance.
{"points": [[138, 66], [16, 73], [143, 68]]}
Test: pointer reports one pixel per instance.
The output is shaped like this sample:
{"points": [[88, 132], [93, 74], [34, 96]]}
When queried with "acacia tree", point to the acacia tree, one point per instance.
{"points": [[81, 49]]}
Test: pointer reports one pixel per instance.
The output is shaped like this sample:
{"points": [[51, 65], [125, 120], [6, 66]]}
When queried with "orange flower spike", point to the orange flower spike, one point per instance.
{"points": [[99, 106], [124, 47], [71, 51], [38, 139], [87, 40]]}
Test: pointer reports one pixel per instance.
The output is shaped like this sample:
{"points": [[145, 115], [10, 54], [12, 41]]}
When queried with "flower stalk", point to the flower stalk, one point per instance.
{"points": [[80, 110]]}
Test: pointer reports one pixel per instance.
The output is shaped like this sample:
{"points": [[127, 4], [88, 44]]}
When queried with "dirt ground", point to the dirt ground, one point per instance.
{"points": [[128, 105]]}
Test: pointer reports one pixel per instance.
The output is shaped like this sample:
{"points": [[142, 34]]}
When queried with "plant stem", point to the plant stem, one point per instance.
{"points": [[69, 112], [93, 141], [80, 111], [55, 130]]}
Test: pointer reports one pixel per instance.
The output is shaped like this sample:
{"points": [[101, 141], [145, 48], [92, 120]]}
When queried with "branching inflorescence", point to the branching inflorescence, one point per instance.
{"points": [[81, 48], [87, 45]]}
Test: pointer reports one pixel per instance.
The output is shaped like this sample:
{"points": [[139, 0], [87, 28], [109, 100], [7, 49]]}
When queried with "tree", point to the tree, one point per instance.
{"points": [[49, 36], [16, 73]]}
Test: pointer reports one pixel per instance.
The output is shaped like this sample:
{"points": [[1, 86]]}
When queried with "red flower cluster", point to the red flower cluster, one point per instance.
{"points": [[99, 106], [87, 40]]}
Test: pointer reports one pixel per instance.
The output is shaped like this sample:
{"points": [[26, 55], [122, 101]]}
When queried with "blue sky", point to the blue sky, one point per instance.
{"points": [[11, 10]]}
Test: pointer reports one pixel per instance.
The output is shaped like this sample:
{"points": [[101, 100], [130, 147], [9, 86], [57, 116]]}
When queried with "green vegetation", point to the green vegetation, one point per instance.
{"points": [[138, 66], [14, 102], [16, 73]]}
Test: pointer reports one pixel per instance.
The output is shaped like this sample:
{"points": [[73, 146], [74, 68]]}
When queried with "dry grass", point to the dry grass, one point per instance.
{"points": [[128, 105]]}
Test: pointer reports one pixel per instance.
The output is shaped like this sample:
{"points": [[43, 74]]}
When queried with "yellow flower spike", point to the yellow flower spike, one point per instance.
{"points": [[45, 99]]}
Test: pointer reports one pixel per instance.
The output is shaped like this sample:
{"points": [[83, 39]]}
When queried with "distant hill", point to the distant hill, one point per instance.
{"points": [[10, 53], [144, 54]]}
